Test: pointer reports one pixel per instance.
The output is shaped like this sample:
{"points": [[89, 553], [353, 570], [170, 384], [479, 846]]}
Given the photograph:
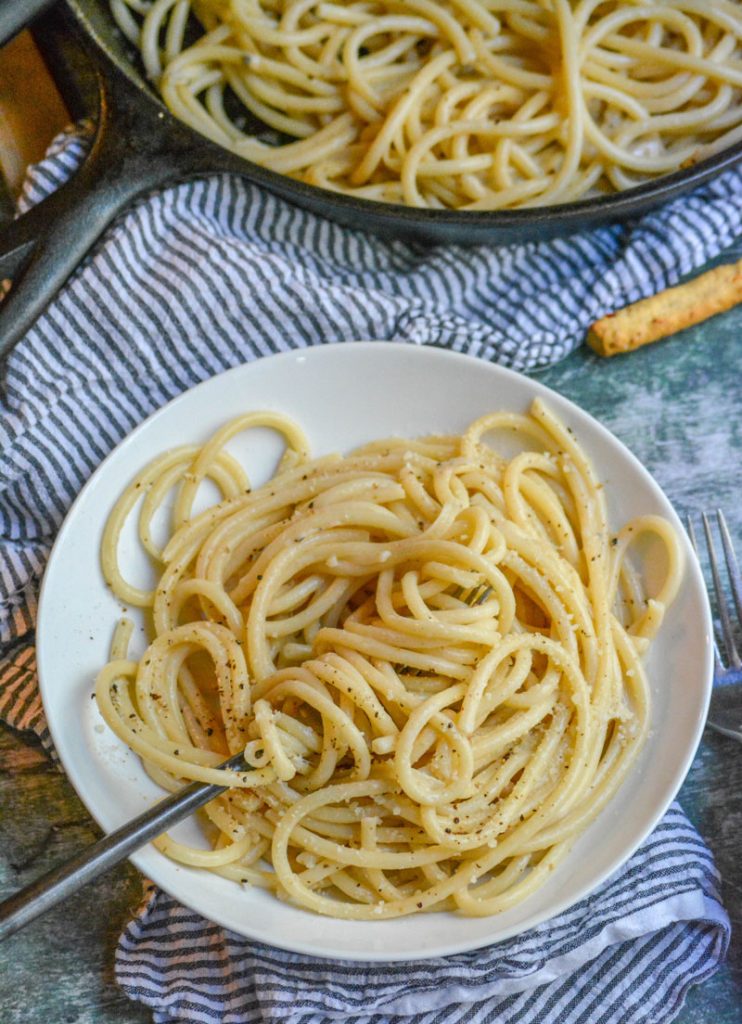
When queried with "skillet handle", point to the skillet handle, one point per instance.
{"points": [[40, 249], [51, 240]]}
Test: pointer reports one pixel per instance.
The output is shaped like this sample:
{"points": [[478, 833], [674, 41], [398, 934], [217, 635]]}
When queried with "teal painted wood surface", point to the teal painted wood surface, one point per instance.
{"points": [[677, 404]]}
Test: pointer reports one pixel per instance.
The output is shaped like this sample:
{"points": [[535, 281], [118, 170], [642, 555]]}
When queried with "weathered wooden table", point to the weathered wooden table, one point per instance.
{"points": [[678, 406]]}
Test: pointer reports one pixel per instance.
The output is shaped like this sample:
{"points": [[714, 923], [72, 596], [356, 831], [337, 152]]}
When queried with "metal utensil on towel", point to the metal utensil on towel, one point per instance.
{"points": [[59, 883], [725, 711]]}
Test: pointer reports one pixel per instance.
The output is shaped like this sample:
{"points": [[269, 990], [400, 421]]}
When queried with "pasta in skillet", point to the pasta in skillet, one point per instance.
{"points": [[429, 651], [465, 104]]}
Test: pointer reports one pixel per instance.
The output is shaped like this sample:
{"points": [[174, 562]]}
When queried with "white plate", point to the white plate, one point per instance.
{"points": [[344, 395]]}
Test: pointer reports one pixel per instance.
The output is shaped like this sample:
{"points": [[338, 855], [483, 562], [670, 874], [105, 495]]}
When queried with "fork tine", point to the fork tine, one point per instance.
{"points": [[721, 600], [718, 667], [731, 559], [477, 595]]}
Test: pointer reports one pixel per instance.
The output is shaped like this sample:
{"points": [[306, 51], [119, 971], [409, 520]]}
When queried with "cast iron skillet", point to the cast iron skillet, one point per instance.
{"points": [[139, 146]]}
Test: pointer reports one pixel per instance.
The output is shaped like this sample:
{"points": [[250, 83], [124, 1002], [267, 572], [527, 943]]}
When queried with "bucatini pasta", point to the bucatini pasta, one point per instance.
{"points": [[429, 651], [472, 104]]}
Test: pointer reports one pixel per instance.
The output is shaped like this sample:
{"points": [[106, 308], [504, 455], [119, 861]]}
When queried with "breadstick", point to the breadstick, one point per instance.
{"points": [[669, 311]]}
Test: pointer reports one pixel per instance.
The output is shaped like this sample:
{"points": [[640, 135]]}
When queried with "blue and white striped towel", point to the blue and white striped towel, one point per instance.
{"points": [[200, 277]]}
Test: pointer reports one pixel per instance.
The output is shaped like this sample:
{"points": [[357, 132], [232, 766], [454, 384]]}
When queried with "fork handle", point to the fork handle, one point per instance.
{"points": [[68, 878]]}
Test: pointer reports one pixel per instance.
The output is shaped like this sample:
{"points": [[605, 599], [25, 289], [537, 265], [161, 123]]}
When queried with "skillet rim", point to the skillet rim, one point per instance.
{"points": [[423, 223]]}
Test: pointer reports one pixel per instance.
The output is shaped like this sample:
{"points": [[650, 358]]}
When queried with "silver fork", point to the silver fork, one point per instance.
{"points": [[36, 898], [725, 711]]}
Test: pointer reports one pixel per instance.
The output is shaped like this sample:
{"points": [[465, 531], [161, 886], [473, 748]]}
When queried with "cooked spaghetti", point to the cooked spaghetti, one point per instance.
{"points": [[429, 651], [472, 104]]}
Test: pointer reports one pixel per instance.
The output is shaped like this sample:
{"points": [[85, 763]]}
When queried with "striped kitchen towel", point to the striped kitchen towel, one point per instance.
{"points": [[203, 276], [627, 954]]}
